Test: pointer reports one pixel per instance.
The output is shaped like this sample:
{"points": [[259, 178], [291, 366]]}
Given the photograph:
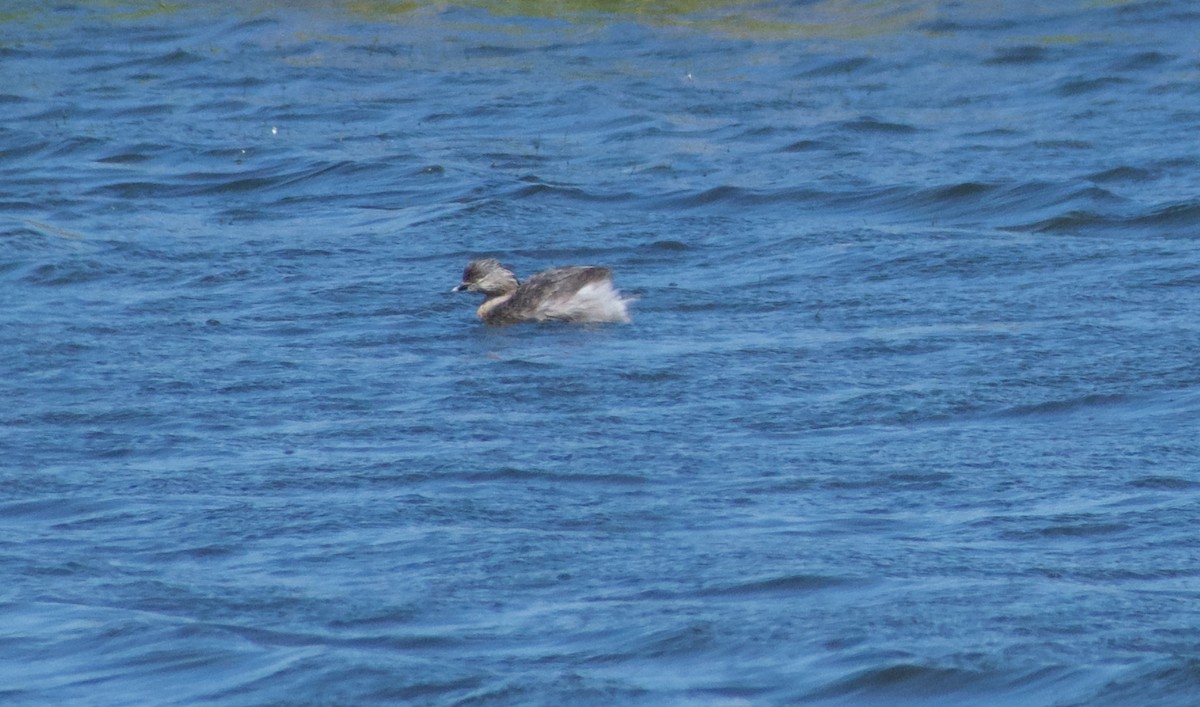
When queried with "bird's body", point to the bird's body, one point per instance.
{"points": [[580, 293]]}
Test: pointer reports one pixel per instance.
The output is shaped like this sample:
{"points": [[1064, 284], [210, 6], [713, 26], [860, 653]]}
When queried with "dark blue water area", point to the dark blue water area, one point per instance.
{"points": [[906, 414]]}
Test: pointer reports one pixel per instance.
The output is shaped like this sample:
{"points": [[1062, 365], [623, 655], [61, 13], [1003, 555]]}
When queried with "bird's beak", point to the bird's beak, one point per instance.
{"points": [[459, 287]]}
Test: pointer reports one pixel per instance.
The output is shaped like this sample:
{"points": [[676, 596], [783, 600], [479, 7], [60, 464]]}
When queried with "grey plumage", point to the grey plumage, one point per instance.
{"points": [[581, 293]]}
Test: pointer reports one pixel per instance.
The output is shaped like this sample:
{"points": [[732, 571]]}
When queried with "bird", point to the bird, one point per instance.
{"points": [[576, 293]]}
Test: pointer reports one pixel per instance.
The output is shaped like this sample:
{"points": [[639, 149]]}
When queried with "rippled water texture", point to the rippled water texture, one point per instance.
{"points": [[906, 413]]}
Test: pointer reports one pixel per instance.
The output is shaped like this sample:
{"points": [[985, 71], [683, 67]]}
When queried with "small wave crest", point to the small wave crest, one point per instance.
{"points": [[785, 584], [1066, 406], [1174, 220]]}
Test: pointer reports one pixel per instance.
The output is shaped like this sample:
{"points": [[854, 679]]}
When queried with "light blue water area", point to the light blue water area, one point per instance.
{"points": [[906, 413]]}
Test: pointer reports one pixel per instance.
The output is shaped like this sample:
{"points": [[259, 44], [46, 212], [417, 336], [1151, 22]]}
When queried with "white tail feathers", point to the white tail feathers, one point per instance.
{"points": [[594, 302]]}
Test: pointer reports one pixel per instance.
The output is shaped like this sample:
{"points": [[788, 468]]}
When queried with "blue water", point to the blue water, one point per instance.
{"points": [[906, 413]]}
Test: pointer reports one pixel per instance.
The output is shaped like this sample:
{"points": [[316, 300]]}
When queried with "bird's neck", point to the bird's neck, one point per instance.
{"points": [[491, 303]]}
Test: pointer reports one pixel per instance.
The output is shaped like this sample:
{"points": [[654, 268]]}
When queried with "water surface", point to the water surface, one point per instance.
{"points": [[905, 415]]}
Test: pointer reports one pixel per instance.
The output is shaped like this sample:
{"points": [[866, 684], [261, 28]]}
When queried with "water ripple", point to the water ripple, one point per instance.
{"points": [[901, 416]]}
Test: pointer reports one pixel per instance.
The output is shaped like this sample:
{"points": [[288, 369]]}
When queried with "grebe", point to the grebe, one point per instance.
{"points": [[571, 294]]}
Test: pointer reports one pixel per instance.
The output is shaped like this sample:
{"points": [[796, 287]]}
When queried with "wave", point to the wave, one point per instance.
{"points": [[516, 474], [873, 125], [269, 178], [1079, 86], [169, 59], [1164, 483], [1124, 173], [1069, 405], [1075, 207], [914, 683], [1020, 55], [838, 67], [785, 584], [1174, 216], [1171, 681], [573, 193], [906, 678], [969, 202]]}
